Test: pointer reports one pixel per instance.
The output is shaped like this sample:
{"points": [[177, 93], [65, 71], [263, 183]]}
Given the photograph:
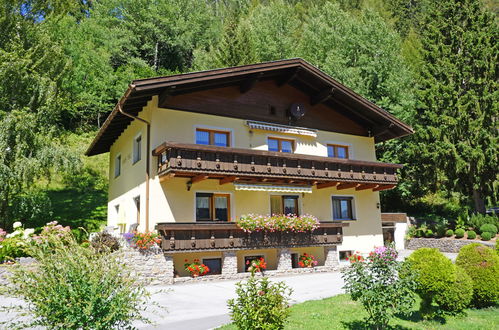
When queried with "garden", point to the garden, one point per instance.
{"points": [[474, 227]]}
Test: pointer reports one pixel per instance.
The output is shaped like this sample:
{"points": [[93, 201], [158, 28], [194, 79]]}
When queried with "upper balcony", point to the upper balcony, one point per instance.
{"points": [[201, 162]]}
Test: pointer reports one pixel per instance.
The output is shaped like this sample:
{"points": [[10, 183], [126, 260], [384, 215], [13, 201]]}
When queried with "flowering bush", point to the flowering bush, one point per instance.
{"points": [[3, 233], [278, 222], [13, 245], [356, 257], [376, 283], [257, 265], [196, 268], [145, 241], [307, 260]]}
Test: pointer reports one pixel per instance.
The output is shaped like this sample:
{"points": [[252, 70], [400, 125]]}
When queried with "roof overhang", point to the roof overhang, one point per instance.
{"points": [[296, 72]]}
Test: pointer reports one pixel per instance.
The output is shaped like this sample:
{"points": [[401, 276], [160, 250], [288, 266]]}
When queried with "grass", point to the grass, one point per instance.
{"points": [[340, 312]]}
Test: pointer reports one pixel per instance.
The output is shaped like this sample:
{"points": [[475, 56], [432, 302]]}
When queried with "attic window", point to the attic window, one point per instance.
{"points": [[281, 128]]}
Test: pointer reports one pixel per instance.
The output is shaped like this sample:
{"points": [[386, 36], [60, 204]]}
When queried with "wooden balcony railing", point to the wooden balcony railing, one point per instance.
{"points": [[201, 162], [193, 236]]}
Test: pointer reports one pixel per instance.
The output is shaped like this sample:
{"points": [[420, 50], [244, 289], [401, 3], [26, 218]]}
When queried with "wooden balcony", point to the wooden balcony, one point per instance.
{"points": [[201, 162], [202, 236]]}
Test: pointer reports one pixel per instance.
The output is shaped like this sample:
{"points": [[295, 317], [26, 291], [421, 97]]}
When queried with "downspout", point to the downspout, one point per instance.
{"points": [[148, 143]]}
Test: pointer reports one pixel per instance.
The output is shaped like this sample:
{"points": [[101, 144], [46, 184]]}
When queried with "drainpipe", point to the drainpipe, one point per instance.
{"points": [[148, 143]]}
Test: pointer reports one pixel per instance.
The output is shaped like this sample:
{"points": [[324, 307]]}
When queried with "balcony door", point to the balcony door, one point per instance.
{"points": [[212, 207], [284, 204]]}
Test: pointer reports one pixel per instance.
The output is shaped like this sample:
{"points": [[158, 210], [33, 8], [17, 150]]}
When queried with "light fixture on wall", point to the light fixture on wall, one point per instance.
{"points": [[189, 185], [377, 205]]}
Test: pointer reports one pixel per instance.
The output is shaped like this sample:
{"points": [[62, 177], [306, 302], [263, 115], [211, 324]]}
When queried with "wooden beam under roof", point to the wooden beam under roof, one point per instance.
{"points": [[322, 96], [347, 185], [249, 82], [327, 184], [384, 187], [199, 178], [366, 186], [288, 78], [228, 179]]}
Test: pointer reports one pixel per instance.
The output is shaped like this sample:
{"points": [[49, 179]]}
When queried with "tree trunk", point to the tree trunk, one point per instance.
{"points": [[479, 202]]}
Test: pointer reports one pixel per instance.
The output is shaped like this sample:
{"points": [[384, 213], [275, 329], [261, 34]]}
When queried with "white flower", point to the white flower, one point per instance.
{"points": [[28, 232], [17, 224], [10, 235]]}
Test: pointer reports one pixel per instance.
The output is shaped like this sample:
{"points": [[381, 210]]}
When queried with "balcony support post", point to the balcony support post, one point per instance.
{"points": [[331, 255], [229, 263], [283, 260]]}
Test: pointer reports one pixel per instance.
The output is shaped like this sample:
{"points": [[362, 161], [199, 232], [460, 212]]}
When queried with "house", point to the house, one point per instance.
{"points": [[191, 153]]}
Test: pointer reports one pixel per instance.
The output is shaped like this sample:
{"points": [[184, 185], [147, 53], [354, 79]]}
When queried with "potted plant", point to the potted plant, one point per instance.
{"points": [[307, 261], [196, 268], [257, 265]]}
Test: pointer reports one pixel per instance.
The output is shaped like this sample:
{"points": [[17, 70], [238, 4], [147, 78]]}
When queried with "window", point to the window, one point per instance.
{"points": [[211, 137], [280, 145], [283, 204], [294, 260], [343, 208], [344, 255], [117, 166], [337, 151], [137, 149], [248, 260], [136, 201], [212, 207], [214, 264]]}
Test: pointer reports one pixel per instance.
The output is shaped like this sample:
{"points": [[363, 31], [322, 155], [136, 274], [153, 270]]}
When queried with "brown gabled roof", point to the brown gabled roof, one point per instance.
{"points": [[296, 72]]}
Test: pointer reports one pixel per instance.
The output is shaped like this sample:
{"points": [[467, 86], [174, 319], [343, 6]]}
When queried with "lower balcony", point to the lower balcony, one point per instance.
{"points": [[202, 236]]}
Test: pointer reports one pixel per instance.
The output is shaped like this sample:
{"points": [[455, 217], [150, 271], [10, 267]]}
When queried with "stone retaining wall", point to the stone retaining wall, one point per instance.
{"points": [[151, 266], [443, 244]]}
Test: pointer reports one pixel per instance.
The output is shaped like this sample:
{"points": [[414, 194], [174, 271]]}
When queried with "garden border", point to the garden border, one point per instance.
{"points": [[444, 244]]}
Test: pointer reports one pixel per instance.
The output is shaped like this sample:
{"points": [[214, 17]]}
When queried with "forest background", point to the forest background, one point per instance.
{"points": [[65, 63]]}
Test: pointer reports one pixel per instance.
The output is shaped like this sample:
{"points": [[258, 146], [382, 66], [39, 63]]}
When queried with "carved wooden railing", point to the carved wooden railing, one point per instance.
{"points": [[226, 235], [191, 159]]}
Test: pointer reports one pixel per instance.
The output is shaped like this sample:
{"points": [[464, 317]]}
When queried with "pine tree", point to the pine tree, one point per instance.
{"points": [[457, 115]]}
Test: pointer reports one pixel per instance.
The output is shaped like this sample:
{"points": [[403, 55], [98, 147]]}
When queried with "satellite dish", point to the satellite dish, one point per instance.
{"points": [[297, 110]]}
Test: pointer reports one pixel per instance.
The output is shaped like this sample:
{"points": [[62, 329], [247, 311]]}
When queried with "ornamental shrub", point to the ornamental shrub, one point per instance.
{"points": [[260, 304], [490, 228], [104, 242], [443, 289], [486, 236], [429, 233], [376, 283], [449, 233], [478, 220], [471, 234], [73, 287], [459, 233], [482, 265]]}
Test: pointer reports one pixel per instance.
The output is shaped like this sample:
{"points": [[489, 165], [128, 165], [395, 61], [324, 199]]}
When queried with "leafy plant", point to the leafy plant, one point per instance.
{"points": [[459, 233], [488, 228], [471, 234], [486, 236], [429, 233], [72, 287], [482, 265], [377, 284], [278, 222], [145, 241], [14, 245], [478, 220], [256, 265], [196, 268], [443, 289], [260, 304], [104, 242], [449, 232], [307, 260]]}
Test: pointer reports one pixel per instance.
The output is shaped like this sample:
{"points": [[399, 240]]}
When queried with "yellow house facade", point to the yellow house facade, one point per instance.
{"points": [[191, 154]]}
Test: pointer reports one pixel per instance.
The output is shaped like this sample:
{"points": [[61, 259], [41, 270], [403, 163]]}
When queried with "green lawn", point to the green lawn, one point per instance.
{"points": [[340, 312]]}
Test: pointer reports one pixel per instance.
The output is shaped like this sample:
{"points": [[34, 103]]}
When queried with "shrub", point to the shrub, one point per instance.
{"points": [[376, 283], [429, 233], [13, 245], [486, 236], [488, 228], [72, 287], [482, 265], [443, 289], [459, 233], [104, 242], [478, 220], [260, 304], [471, 234], [449, 233]]}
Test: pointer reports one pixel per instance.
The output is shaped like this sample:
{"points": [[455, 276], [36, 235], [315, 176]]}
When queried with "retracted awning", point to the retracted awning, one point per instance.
{"points": [[272, 188], [281, 128]]}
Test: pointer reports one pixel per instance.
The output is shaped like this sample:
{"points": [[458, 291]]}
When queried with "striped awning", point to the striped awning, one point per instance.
{"points": [[282, 128], [271, 188]]}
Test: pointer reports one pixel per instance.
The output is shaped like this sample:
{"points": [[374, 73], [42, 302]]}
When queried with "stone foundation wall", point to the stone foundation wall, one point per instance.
{"points": [[151, 266], [443, 244]]}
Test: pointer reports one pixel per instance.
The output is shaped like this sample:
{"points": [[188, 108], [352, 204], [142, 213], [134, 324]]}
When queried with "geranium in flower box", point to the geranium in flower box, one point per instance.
{"points": [[145, 241], [256, 265], [307, 261], [196, 268]]}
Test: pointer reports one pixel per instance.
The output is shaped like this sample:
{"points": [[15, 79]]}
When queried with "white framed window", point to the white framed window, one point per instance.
{"points": [[117, 165], [338, 149], [137, 149], [343, 208]]}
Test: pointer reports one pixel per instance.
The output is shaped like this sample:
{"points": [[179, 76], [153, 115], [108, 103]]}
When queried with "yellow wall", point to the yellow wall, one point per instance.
{"points": [[170, 201]]}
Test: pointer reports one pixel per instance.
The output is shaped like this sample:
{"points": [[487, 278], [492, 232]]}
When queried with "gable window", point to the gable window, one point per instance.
{"points": [[343, 208], [337, 151], [212, 137], [280, 145], [284, 204], [212, 207], [137, 149], [117, 166]]}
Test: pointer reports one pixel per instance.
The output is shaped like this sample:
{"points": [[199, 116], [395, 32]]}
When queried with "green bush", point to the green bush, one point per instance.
{"points": [[478, 220], [72, 287], [471, 234], [442, 288], [459, 233], [260, 304], [104, 242], [486, 236], [429, 233], [489, 228], [449, 233], [482, 264]]}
